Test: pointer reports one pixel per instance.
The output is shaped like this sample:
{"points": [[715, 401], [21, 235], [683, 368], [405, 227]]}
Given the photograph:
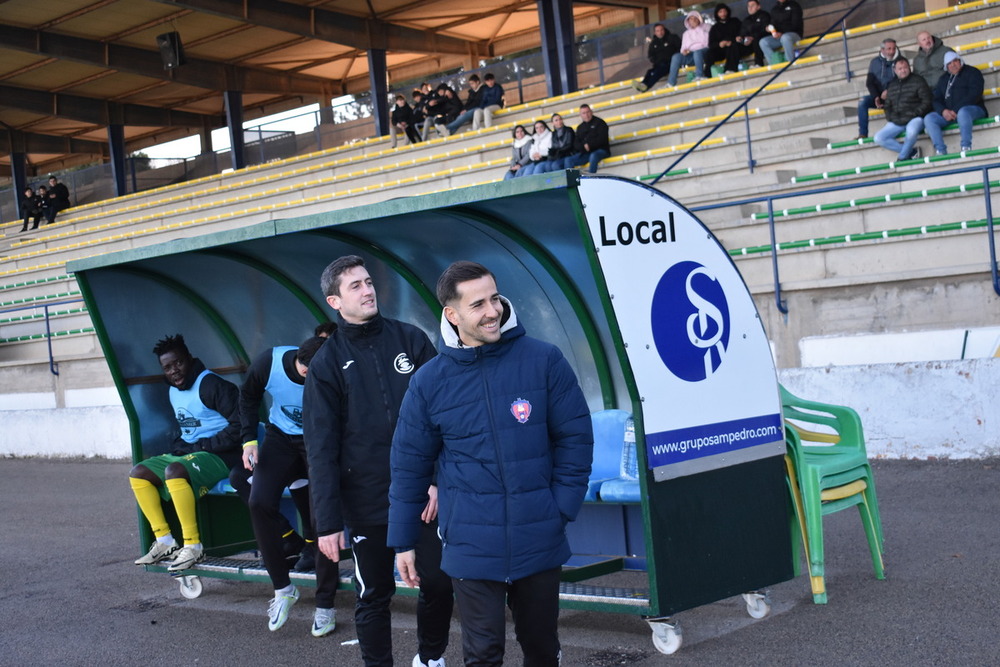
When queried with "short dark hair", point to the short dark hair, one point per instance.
{"points": [[459, 272], [553, 116], [585, 106], [173, 343], [329, 282], [307, 350], [900, 59], [489, 77], [474, 77], [326, 328], [400, 97], [443, 86]]}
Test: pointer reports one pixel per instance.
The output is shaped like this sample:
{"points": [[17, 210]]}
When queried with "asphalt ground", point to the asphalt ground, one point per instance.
{"points": [[70, 595]]}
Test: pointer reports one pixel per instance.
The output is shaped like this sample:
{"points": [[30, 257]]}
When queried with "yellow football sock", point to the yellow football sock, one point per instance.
{"points": [[183, 496], [148, 498]]}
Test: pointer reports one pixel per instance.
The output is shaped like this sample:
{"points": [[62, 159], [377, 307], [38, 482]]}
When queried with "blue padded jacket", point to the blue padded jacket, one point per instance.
{"points": [[508, 430]]}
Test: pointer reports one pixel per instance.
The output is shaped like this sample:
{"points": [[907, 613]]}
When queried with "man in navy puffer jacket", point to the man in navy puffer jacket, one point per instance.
{"points": [[501, 419]]}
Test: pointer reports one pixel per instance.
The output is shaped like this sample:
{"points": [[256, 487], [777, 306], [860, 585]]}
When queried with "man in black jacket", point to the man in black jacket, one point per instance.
{"points": [[562, 147], [722, 41], [401, 120], [752, 31], [786, 21], [59, 193], [908, 99], [592, 143], [662, 48], [350, 406]]}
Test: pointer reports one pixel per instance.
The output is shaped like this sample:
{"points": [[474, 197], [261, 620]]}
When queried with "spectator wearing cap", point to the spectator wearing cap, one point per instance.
{"points": [[958, 96]]}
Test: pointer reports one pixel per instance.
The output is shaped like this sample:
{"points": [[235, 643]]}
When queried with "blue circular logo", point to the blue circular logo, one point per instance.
{"points": [[690, 318]]}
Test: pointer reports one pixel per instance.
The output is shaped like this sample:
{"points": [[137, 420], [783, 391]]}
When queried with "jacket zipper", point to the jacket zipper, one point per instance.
{"points": [[500, 466]]}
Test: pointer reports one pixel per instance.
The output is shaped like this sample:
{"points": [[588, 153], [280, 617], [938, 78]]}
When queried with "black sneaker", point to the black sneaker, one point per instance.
{"points": [[307, 561]]}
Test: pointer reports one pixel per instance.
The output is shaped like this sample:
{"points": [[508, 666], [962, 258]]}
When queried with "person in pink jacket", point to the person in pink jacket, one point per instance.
{"points": [[694, 48]]}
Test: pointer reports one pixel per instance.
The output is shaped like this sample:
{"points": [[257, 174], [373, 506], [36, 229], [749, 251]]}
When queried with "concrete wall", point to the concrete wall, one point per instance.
{"points": [[917, 410], [925, 410]]}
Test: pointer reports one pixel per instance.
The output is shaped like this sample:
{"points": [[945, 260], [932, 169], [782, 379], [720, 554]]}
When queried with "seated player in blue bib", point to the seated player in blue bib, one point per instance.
{"points": [[207, 412]]}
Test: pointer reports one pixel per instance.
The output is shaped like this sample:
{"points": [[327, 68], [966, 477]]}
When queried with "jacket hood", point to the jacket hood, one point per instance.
{"points": [[690, 16], [719, 7], [449, 335]]}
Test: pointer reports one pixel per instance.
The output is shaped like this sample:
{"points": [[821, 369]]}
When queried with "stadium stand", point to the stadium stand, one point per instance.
{"points": [[799, 126]]}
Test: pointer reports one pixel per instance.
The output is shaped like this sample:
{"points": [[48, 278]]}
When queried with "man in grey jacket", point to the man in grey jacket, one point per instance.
{"points": [[880, 73], [929, 61]]}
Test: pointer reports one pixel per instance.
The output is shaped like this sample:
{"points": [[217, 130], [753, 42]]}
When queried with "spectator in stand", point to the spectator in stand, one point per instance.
{"points": [[402, 121], [419, 110], [722, 42], [490, 101], [31, 207], [447, 110], [908, 99], [662, 47], [520, 152], [470, 108], [786, 29], [59, 193], [958, 97], [752, 31], [694, 48], [48, 205], [592, 144], [929, 61], [880, 73], [562, 148], [433, 104], [541, 141]]}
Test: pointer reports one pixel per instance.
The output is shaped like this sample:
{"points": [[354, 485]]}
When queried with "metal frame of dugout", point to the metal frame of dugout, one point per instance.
{"points": [[643, 301]]}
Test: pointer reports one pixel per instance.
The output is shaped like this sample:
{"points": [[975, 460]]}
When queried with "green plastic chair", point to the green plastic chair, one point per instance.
{"points": [[829, 468]]}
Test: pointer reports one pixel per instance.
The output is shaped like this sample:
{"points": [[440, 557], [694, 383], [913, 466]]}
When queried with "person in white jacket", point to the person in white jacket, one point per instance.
{"points": [[694, 48], [541, 141]]}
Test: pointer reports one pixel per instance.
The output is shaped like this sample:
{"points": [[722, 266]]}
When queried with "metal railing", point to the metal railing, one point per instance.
{"points": [[775, 246], [742, 106], [53, 366]]}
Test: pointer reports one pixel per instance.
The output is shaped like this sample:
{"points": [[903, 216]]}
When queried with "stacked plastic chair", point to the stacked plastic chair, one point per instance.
{"points": [[828, 471]]}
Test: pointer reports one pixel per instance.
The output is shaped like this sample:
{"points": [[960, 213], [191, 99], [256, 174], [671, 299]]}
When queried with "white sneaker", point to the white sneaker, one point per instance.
{"points": [[157, 552], [187, 557], [277, 610], [430, 663], [324, 622]]}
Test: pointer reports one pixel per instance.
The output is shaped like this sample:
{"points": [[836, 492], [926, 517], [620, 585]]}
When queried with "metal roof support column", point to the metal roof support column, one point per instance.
{"points": [[562, 13], [17, 163], [550, 46], [378, 76], [116, 142], [234, 121], [206, 137]]}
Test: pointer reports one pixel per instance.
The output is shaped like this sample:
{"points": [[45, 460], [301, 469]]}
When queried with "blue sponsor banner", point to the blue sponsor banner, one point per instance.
{"points": [[685, 444]]}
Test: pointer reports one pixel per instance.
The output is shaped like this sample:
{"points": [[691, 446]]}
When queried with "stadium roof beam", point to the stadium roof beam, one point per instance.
{"points": [[16, 141], [100, 112], [330, 26], [200, 73]]}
